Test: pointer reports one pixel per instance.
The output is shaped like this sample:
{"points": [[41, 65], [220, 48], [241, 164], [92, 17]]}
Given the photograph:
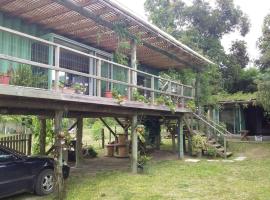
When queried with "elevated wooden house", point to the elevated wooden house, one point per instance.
{"points": [[56, 60]]}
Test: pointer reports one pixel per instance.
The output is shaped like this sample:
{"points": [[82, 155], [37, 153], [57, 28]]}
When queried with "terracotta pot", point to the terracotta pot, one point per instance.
{"points": [[122, 151], [122, 139], [108, 94], [110, 150], [4, 79], [68, 90], [181, 105]]}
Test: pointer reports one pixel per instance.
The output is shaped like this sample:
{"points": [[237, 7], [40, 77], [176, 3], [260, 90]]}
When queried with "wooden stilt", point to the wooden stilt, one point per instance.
{"points": [[180, 138], [79, 142], [42, 136], [173, 141], [134, 139], [59, 181]]}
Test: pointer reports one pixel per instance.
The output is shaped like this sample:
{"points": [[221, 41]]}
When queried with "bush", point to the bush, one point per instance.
{"points": [[91, 152], [211, 152]]}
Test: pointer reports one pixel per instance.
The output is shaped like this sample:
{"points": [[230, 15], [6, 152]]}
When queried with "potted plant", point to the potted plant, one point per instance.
{"points": [[79, 88], [198, 145], [142, 161]]}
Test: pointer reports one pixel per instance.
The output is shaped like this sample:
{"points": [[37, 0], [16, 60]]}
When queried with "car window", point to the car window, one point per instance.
{"points": [[5, 156]]}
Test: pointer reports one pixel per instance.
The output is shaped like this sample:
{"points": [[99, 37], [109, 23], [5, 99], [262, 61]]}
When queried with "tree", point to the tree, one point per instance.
{"points": [[238, 53], [264, 45], [201, 26], [232, 70], [263, 94]]}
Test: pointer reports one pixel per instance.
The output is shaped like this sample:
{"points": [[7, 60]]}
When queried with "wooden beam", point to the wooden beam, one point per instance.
{"points": [[108, 127], [79, 136], [27, 8], [86, 13], [134, 141]]}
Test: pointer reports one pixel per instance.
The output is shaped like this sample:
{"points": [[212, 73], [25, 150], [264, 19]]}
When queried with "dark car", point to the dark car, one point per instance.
{"points": [[20, 173]]}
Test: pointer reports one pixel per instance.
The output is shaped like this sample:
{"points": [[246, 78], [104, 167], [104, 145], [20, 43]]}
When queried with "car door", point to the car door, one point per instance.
{"points": [[14, 174]]}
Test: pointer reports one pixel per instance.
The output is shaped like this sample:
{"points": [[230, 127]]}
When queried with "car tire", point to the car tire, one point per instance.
{"points": [[45, 182]]}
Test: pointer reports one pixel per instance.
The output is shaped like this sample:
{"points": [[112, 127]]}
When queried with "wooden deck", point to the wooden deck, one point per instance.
{"points": [[23, 100]]}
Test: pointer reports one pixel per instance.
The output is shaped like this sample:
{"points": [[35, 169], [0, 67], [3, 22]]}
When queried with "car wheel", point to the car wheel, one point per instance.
{"points": [[45, 182]]}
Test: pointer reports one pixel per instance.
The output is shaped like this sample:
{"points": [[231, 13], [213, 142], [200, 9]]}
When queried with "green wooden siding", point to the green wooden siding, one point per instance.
{"points": [[15, 45]]}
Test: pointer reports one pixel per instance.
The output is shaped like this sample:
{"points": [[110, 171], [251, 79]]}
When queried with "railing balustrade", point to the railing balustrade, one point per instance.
{"points": [[42, 59]]}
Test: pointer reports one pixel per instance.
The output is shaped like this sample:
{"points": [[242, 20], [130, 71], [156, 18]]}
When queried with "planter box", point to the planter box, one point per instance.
{"points": [[4, 79]]}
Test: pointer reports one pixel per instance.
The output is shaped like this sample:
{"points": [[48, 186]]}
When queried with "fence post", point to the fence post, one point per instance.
{"points": [[29, 145], [57, 64], [98, 80]]}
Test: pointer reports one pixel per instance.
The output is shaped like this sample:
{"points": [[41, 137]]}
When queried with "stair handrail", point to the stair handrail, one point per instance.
{"points": [[215, 124], [216, 129], [209, 124]]}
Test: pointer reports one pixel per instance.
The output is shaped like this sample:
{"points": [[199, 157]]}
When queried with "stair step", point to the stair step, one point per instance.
{"points": [[229, 154], [216, 145], [211, 141]]}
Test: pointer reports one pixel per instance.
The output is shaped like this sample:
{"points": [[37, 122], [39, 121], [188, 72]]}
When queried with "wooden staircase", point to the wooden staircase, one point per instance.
{"points": [[216, 135]]}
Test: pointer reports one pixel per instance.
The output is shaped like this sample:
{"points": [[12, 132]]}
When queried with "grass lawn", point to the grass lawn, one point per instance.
{"points": [[242, 180], [249, 179]]}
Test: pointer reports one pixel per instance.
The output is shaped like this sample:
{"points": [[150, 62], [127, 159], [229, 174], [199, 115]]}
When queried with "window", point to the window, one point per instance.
{"points": [[5, 156]]}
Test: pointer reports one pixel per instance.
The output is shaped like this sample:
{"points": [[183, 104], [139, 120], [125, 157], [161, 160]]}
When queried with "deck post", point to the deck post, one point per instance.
{"points": [[134, 61], [79, 142], [42, 136], [57, 64], [99, 75], [134, 139], [153, 88], [59, 181], [180, 138]]}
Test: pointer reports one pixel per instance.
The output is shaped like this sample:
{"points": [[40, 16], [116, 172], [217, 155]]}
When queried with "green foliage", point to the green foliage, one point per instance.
{"points": [[96, 130], [263, 94], [143, 159], [198, 143], [167, 101], [91, 152], [239, 96], [211, 151], [264, 45], [191, 105], [201, 26], [24, 76], [138, 97]]}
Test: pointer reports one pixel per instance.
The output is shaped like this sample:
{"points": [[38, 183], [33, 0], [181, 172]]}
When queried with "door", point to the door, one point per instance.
{"points": [[14, 174]]}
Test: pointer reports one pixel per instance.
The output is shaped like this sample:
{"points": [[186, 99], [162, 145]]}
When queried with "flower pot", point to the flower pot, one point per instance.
{"points": [[122, 139], [110, 150], [4, 79], [181, 105], [122, 151], [67, 90], [108, 94]]}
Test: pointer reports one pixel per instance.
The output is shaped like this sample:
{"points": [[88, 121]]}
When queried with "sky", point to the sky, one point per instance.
{"points": [[255, 9]]}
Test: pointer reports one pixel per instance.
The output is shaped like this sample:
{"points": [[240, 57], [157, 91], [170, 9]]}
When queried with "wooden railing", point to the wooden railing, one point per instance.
{"points": [[179, 92], [21, 143]]}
